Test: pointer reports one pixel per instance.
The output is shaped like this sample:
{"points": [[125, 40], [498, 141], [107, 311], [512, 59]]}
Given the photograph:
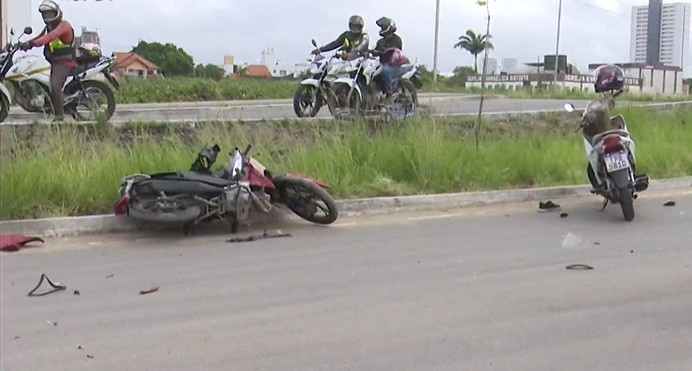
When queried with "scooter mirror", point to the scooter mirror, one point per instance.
{"points": [[569, 107], [314, 43]]}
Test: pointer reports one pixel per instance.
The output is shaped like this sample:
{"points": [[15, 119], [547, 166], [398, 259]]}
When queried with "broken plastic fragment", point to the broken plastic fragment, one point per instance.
{"points": [[572, 241]]}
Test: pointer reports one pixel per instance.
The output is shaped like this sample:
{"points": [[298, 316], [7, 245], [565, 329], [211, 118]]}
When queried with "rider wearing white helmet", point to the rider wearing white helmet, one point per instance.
{"points": [[57, 38]]}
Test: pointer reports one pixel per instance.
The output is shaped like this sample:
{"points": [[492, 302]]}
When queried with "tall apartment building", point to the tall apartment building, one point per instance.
{"points": [[660, 33], [87, 37]]}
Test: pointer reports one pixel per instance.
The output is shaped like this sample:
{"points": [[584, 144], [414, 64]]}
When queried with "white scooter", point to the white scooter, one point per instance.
{"points": [[29, 77], [610, 154]]}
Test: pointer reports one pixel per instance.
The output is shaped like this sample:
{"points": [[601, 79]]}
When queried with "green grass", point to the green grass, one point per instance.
{"points": [[53, 171], [196, 89]]}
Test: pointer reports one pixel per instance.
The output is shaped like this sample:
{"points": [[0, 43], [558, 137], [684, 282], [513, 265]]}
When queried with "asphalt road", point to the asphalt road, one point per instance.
{"points": [[440, 104], [473, 289]]}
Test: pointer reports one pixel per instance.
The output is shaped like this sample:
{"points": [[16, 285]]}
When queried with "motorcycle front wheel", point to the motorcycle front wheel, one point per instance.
{"points": [[306, 101], [306, 199]]}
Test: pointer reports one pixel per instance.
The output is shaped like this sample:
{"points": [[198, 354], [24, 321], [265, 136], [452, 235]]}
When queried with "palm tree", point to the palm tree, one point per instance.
{"points": [[474, 44]]}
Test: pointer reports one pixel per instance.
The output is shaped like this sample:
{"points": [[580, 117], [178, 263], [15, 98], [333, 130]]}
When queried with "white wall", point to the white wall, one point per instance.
{"points": [[18, 16]]}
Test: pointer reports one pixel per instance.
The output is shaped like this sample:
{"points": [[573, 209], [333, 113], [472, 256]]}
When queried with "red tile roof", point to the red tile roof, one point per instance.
{"points": [[257, 70], [123, 60]]}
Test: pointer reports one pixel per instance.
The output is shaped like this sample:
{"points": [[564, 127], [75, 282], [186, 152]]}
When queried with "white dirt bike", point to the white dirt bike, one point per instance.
{"points": [[87, 93], [610, 152], [313, 92], [365, 91]]}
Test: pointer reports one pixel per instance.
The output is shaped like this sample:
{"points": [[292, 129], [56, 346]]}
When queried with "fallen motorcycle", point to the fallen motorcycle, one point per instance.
{"points": [[231, 193], [610, 154]]}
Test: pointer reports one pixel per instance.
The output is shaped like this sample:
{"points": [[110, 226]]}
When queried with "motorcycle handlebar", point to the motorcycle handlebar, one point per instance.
{"points": [[247, 149]]}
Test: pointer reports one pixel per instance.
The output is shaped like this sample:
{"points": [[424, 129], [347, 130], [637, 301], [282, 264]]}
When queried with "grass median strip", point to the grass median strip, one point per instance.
{"points": [[68, 170], [197, 89]]}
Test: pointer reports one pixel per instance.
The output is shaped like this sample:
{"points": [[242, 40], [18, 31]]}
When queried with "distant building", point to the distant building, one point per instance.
{"points": [[492, 66], [252, 70], [660, 33], [87, 37], [508, 64], [135, 66]]}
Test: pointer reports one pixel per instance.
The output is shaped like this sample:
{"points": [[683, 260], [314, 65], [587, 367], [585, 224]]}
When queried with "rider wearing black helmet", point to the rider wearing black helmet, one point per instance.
{"points": [[386, 48], [355, 42]]}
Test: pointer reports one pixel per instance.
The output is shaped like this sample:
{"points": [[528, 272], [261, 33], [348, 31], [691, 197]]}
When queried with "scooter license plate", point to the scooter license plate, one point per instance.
{"points": [[616, 161]]}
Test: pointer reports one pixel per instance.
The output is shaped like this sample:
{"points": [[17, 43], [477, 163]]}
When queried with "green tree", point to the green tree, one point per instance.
{"points": [[172, 60], [210, 71], [460, 74], [474, 44]]}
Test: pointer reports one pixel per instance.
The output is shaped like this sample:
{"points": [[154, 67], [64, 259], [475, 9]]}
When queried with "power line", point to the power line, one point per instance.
{"points": [[584, 3]]}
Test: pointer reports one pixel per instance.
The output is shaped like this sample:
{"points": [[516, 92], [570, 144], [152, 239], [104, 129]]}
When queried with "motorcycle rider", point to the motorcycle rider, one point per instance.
{"points": [[389, 49], [609, 77], [355, 42], [57, 38]]}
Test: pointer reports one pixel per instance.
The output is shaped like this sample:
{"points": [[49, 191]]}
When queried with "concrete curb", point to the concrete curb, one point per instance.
{"points": [[97, 224]]}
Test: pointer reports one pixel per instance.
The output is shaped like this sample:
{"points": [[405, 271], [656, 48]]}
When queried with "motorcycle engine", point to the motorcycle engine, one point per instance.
{"points": [[35, 96]]}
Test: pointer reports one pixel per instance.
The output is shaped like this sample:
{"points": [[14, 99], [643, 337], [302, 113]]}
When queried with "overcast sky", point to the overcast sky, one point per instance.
{"points": [[592, 30]]}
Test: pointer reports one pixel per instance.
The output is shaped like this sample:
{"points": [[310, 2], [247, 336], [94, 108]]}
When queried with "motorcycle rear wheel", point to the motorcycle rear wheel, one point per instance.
{"points": [[93, 85], [626, 203], [176, 210], [4, 108], [301, 196]]}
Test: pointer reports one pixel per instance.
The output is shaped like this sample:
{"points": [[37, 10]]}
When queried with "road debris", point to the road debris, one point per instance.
{"points": [[52, 323], [564, 215], [76, 292], [149, 290], [14, 242], [17, 337], [109, 275], [597, 243], [669, 203], [80, 347], [266, 234], [572, 241], [579, 267], [56, 286], [548, 206], [90, 356]]}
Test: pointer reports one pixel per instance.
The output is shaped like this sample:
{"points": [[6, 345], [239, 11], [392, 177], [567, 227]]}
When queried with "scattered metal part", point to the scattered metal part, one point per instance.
{"points": [[149, 290], [669, 203], [109, 275], [90, 356], [631, 251], [76, 292], [262, 236], [579, 267], [80, 347], [17, 337], [597, 243], [52, 323], [564, 215], [56, 286]]}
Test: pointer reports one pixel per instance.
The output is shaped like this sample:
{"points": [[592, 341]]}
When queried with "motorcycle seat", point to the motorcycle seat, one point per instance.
{"points": [[204, 178], [83, 67], [600, 136]]}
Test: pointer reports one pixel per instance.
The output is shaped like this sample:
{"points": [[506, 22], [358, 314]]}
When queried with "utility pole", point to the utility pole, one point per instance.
{"points": [[437, 35], [557, 45]]}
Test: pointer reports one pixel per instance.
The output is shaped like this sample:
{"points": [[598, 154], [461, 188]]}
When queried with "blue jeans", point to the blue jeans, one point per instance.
{"points": [[390, 76]]}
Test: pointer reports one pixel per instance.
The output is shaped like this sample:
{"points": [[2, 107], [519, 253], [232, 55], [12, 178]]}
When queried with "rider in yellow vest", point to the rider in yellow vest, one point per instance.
{"points": [[353, 42], [58, 42]]}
